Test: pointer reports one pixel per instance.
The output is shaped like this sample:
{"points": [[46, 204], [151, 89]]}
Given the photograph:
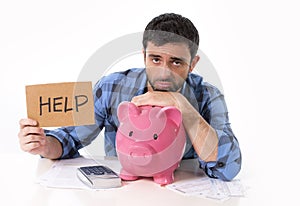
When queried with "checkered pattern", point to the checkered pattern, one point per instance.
{"points": [[123, 86]]}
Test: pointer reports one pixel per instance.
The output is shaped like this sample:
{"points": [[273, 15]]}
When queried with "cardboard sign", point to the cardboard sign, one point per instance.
{"points": [[61, 104]]}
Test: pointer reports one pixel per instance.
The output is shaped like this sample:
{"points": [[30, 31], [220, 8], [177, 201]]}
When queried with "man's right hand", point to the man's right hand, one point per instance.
{"points": [[32, 139]]}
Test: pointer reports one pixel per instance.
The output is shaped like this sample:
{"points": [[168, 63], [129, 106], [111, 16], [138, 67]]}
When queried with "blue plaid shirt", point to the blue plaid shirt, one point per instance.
{"points": [[123, 86]]}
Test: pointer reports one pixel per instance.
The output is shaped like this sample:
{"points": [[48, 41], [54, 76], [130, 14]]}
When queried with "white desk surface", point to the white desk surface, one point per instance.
{"points": [[18, 187]]}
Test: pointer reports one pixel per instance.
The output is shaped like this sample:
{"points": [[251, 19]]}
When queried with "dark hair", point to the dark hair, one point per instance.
{"points": [[170, 27]]}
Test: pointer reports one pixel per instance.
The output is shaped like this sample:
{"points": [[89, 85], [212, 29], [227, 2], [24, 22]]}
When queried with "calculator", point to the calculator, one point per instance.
{"points": [[99, 176]]}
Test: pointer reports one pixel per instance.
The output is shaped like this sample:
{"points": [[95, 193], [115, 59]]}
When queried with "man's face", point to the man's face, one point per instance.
{"points": [[167, 66]]}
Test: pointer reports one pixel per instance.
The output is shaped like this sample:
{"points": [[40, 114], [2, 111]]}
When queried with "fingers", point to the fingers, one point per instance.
{"points": [[139, 100], [155, 98], [31, 137], [27, 122], [33, 144], [30, 130], [149, 98]]}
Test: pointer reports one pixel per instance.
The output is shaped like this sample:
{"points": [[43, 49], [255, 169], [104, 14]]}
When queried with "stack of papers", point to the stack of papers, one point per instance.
{"points": [[193, 182], [63, 173], [209, 188]]}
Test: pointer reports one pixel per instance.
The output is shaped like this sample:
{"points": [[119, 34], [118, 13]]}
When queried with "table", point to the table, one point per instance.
{"points": [[19, 188]]}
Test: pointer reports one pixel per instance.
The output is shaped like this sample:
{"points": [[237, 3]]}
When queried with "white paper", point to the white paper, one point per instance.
{"points": [[209, 188], [63, 173]]}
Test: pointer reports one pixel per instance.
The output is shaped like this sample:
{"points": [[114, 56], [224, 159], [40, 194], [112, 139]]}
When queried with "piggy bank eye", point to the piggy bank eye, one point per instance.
{"points": [[130, 133], [155, 136]]}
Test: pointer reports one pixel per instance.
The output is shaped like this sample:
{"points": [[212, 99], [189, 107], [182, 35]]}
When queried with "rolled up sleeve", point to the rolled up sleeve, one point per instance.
{"points": [[229, 157], [228, 163], [74, 138]]}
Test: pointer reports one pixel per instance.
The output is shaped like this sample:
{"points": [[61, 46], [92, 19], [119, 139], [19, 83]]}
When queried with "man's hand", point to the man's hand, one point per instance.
{"points": [[159, 99], [201, 134], [33, 140]]}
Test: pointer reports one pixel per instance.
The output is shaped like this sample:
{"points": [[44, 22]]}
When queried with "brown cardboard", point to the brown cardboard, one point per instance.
{"points": [[61, 104]]}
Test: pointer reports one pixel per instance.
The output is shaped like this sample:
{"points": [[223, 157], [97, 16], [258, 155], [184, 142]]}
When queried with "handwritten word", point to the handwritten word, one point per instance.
{"points": [[60, 104]]}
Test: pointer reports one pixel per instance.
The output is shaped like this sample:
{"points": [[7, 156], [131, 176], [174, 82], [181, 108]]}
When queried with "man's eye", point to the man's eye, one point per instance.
{"points": [[176, 63], [156, 60]]}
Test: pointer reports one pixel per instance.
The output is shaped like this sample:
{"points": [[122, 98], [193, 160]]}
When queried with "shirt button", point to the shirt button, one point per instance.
{"points": [[221, 164]]}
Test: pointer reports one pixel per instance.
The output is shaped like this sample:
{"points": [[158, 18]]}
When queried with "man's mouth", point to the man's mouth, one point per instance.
{"points": [[163, 84]]}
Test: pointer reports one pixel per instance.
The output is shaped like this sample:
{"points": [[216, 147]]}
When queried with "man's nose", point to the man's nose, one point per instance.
{"points": [[165, 70]]}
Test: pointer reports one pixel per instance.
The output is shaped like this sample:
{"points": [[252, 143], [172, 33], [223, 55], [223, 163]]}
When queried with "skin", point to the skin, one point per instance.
{"points": [[33, 140], [167, 67]]}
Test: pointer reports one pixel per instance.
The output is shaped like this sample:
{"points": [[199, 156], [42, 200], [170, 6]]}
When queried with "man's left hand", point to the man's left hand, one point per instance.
{"points": [[159, 99]]}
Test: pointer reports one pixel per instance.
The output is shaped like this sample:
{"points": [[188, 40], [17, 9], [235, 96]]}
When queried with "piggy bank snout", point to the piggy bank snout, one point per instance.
{"points": [[140, 154]]}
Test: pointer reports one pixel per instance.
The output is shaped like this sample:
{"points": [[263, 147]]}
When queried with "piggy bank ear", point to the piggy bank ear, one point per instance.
{"points": [[126, 108], [172, 113]]}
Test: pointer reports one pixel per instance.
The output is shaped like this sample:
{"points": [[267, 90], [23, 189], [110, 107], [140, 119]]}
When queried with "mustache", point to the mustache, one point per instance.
{"points": [[164, 80], [161, 80]]}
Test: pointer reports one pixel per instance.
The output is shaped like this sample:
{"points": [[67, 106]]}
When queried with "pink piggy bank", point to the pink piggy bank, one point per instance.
{"points": [[150, 142]]}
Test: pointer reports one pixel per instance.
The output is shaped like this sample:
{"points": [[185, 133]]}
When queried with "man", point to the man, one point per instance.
{"points": [[170, 44]]}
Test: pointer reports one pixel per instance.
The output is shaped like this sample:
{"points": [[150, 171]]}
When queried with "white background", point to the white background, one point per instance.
{"points": [[253, 45]]}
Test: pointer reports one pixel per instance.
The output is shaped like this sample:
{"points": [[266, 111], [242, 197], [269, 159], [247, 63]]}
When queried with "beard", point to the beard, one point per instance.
{"points": [[169, 82], [165, 85]]}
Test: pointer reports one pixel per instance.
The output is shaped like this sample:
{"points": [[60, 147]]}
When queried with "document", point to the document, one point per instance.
{"points": [[191, 180], [209, 188], [63, 173]]}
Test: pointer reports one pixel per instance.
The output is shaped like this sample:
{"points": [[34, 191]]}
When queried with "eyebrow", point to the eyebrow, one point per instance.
{"points": [[172, 58], [177, 59], [154, 55]]}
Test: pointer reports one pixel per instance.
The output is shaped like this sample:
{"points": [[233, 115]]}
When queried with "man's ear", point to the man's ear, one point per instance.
{"points": [[144, 54], [194, 62]]}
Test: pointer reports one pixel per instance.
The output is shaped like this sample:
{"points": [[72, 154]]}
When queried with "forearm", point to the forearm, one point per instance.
{"points": [[202, 135], [72, 139], [53, 148]]}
